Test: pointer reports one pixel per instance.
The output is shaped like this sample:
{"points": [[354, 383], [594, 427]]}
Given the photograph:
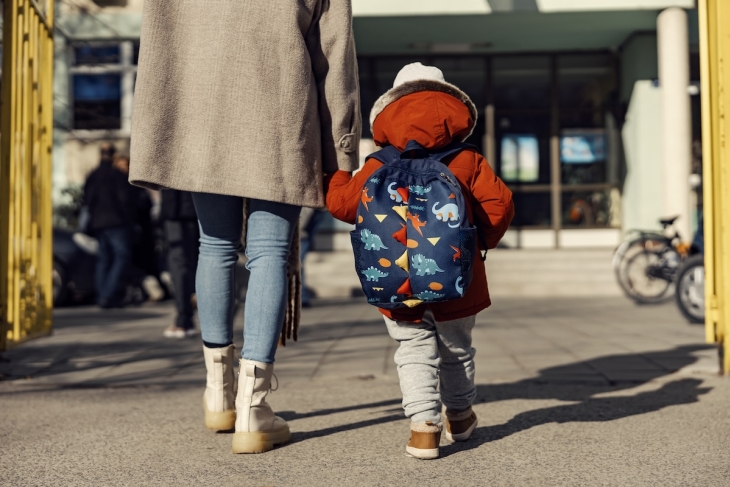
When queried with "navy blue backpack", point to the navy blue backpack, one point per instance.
{"points": [[413, 241]]}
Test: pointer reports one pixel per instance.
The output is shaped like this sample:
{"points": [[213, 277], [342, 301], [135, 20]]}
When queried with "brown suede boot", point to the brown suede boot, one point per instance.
{"points": [[424, 441], [458, 426]]}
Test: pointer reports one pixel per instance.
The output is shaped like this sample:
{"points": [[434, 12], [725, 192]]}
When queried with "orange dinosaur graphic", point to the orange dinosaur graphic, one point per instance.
{"points": [[457, 255], [416, 222], [365, 199]]}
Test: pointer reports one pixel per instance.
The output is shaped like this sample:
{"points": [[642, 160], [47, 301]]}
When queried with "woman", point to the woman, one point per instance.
{"points": [[242, 100]]}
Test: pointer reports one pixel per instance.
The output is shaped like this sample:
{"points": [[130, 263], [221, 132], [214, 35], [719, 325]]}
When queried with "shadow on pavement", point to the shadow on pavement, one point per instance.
{"points": [[94, 360], [99, 342], [113, 348], [292, 415], [562, 383], [684, 391], [309, 435], [578, 381], [85, 317]]}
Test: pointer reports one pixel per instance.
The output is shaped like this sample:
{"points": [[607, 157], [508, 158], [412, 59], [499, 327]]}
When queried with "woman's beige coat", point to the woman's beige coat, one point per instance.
{"points": [[247, 98]]}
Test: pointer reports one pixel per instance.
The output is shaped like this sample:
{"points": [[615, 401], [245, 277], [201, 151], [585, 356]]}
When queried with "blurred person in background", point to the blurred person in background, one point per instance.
{"points": [[177, 214], [111, 209], [143, 277], [309, 222], [261, 122]]}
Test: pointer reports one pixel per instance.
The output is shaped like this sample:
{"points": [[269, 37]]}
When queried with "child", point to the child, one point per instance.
{"points": [[435, 356]]}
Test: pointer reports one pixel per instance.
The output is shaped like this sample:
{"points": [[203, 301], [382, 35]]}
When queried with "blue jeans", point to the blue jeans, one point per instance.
{"points": [[115, 256], [268, 242]]}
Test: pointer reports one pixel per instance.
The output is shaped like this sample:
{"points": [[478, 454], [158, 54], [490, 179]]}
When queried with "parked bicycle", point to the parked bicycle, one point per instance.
{"points": [[646, 264], [690, 295]]}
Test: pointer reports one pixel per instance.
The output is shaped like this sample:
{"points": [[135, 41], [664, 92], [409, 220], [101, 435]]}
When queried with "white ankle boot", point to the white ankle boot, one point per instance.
{"points": [[220, 388], [257, 428]]}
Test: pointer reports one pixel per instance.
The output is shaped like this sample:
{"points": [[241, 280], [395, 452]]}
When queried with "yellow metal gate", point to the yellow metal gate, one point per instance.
{"points": [[715, 73], [26, 140]]}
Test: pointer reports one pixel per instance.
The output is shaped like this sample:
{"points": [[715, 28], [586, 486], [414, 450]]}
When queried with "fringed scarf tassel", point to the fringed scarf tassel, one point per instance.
{"points": [[290, 330]]}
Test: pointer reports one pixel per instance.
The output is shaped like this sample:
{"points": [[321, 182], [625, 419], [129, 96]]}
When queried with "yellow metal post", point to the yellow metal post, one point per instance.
{"points": [[714, 16], [26, 138]]}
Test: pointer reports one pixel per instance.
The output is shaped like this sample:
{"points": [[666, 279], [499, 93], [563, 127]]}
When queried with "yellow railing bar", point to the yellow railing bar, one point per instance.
{"points": [[26, 120], [43, 13], [714, 19]]}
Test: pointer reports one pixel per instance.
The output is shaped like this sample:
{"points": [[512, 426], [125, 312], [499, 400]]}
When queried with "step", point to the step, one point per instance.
{"points": [[515, 273]]}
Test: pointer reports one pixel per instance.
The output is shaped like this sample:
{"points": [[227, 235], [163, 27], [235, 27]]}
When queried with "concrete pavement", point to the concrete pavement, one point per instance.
{"points": [[584, 391]]}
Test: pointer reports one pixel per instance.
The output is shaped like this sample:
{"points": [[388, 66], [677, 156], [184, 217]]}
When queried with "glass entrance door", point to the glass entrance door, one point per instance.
{"points": [[546, 125], [520, 95]]}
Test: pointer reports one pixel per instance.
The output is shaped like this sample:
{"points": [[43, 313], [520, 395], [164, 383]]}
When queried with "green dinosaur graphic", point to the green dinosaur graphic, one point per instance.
{"points": [[373, 274], [371, 241], [428, 296], [425, 266], [420, 190]]}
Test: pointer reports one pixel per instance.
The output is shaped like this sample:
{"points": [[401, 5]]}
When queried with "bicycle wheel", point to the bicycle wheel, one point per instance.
{"points": [[630, 249], [642, 277], [690, 295]]}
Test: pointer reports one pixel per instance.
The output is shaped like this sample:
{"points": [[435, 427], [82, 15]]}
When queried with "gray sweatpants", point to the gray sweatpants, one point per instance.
{"points": [[434, 355]]}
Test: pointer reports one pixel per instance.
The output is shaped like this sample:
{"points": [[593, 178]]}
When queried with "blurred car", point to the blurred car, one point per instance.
{"points": [[74, 263]]}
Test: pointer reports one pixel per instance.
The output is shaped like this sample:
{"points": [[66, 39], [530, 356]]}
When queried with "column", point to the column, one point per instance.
{"points": [[673, 50]]}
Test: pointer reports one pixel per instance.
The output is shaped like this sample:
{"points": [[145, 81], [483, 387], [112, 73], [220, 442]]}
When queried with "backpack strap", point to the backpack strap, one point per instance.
{"points": [[414, 150], [386, 155], [450, 150]]}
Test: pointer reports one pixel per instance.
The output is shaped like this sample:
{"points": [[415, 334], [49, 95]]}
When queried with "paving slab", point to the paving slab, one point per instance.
{"points": [[570, 392]]}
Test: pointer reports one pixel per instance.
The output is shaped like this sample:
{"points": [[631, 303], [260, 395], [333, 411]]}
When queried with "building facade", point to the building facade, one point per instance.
{"points": [[585, 106]]}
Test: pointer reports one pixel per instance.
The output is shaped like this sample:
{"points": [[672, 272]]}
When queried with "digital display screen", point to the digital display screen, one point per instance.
{"points": [[582, 146]]}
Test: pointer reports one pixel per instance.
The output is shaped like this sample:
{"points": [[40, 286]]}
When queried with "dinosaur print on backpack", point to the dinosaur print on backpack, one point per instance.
{"points": [[413, 241], [371, 241]]}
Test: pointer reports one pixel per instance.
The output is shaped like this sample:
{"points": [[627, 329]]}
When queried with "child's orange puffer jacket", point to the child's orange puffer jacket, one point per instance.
{"points": [[434, 119]]}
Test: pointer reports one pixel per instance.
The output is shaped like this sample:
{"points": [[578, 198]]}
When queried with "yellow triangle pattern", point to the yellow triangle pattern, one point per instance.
{"points": [[402, 262], [412, 302], [378, 289], [401, 210], [434, 240], [380, 217]]}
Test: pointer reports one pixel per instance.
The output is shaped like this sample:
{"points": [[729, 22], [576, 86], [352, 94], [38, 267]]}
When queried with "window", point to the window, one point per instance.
{"points": [[521, 83], [102, 79], [588, 163], [97, 101], [526, 136], [590, 208], [90, 55], [520, 158], [583, 156], [547, 124]]}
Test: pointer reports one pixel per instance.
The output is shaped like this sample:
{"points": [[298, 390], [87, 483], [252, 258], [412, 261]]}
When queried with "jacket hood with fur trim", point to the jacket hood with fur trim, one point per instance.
{"points": [[431, 118], [394, 94]]}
